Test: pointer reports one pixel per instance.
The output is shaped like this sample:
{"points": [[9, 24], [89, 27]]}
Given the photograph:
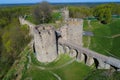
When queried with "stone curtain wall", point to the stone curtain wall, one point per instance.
{"points": [[31, 26], [88, 56]]}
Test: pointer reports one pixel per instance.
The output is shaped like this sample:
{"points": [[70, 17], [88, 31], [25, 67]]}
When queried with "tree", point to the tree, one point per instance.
{"points": [[80, 11], [12, 38], [107, 16], [42, 13], [103, 13]]}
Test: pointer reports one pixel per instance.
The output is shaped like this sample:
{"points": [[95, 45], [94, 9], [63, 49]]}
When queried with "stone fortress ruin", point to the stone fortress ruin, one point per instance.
{"points": [[48, 43], [46, 38]]}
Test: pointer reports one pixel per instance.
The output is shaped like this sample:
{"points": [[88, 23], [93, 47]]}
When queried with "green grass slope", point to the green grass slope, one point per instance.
{"points": [[19, 67], [64, 68], [106, 39]]}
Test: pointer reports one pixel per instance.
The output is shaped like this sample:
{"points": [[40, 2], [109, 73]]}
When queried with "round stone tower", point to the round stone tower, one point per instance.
{"points": [[45, 44]]}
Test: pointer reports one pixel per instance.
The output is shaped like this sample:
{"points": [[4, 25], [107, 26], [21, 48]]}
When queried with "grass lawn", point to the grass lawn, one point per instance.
{"points": [[103, 40], [64, 68], [61, 67], [35, 73], [74, 71]]}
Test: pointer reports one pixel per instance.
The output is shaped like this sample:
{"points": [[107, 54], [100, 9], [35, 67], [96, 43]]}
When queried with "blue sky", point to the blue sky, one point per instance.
{"points": [[35, 1]]}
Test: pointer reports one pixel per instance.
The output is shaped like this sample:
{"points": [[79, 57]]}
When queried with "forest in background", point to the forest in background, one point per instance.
{"points": [[44, 12], [103, 12]]}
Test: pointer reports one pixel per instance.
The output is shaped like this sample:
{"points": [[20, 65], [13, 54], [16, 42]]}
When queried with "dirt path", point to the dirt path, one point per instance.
{"points": [[112, 54], [58, 67], [89, 23], [57, 76], [114, 36], [89, 38], [89, 41], [29, 61], [51, 68]]}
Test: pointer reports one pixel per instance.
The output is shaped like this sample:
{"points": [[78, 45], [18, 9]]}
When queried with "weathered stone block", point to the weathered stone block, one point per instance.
{"points": [[67, 50], [73, 53], [80, 57], [61, 49], [103, 65], [89, 61]]}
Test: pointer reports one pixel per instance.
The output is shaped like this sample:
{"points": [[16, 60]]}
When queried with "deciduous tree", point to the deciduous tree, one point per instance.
{"points": [[42, 12]]}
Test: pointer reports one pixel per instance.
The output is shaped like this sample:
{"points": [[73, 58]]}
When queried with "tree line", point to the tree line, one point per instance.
{"points": [[43, 12], [13, 36], [101, 12]]}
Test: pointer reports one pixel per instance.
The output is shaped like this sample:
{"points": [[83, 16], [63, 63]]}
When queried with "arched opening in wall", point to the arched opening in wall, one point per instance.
{"points": [[76, 54], [73, 53], [85, 57], [96, 62], [113, 68], [34, 48]]}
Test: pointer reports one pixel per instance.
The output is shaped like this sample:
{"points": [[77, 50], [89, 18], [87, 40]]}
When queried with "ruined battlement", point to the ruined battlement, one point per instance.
{"points": [[74, 21], [44, 27], [72, 30]]}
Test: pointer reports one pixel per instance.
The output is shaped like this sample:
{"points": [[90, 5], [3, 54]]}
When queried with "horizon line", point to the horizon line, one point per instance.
{"points": [[63, 2]]}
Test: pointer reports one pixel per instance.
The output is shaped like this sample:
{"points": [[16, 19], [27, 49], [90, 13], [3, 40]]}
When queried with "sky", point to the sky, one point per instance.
{"points": [[52, 1]]}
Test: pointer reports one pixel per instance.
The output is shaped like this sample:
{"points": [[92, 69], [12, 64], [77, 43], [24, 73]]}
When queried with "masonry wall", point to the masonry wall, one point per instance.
{"points": [[75, 28], [45, 44], [72, 31]]}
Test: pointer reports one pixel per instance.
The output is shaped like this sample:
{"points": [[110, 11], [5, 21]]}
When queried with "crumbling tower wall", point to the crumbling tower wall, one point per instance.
{"points": [[45, 44], [65, 13]]}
